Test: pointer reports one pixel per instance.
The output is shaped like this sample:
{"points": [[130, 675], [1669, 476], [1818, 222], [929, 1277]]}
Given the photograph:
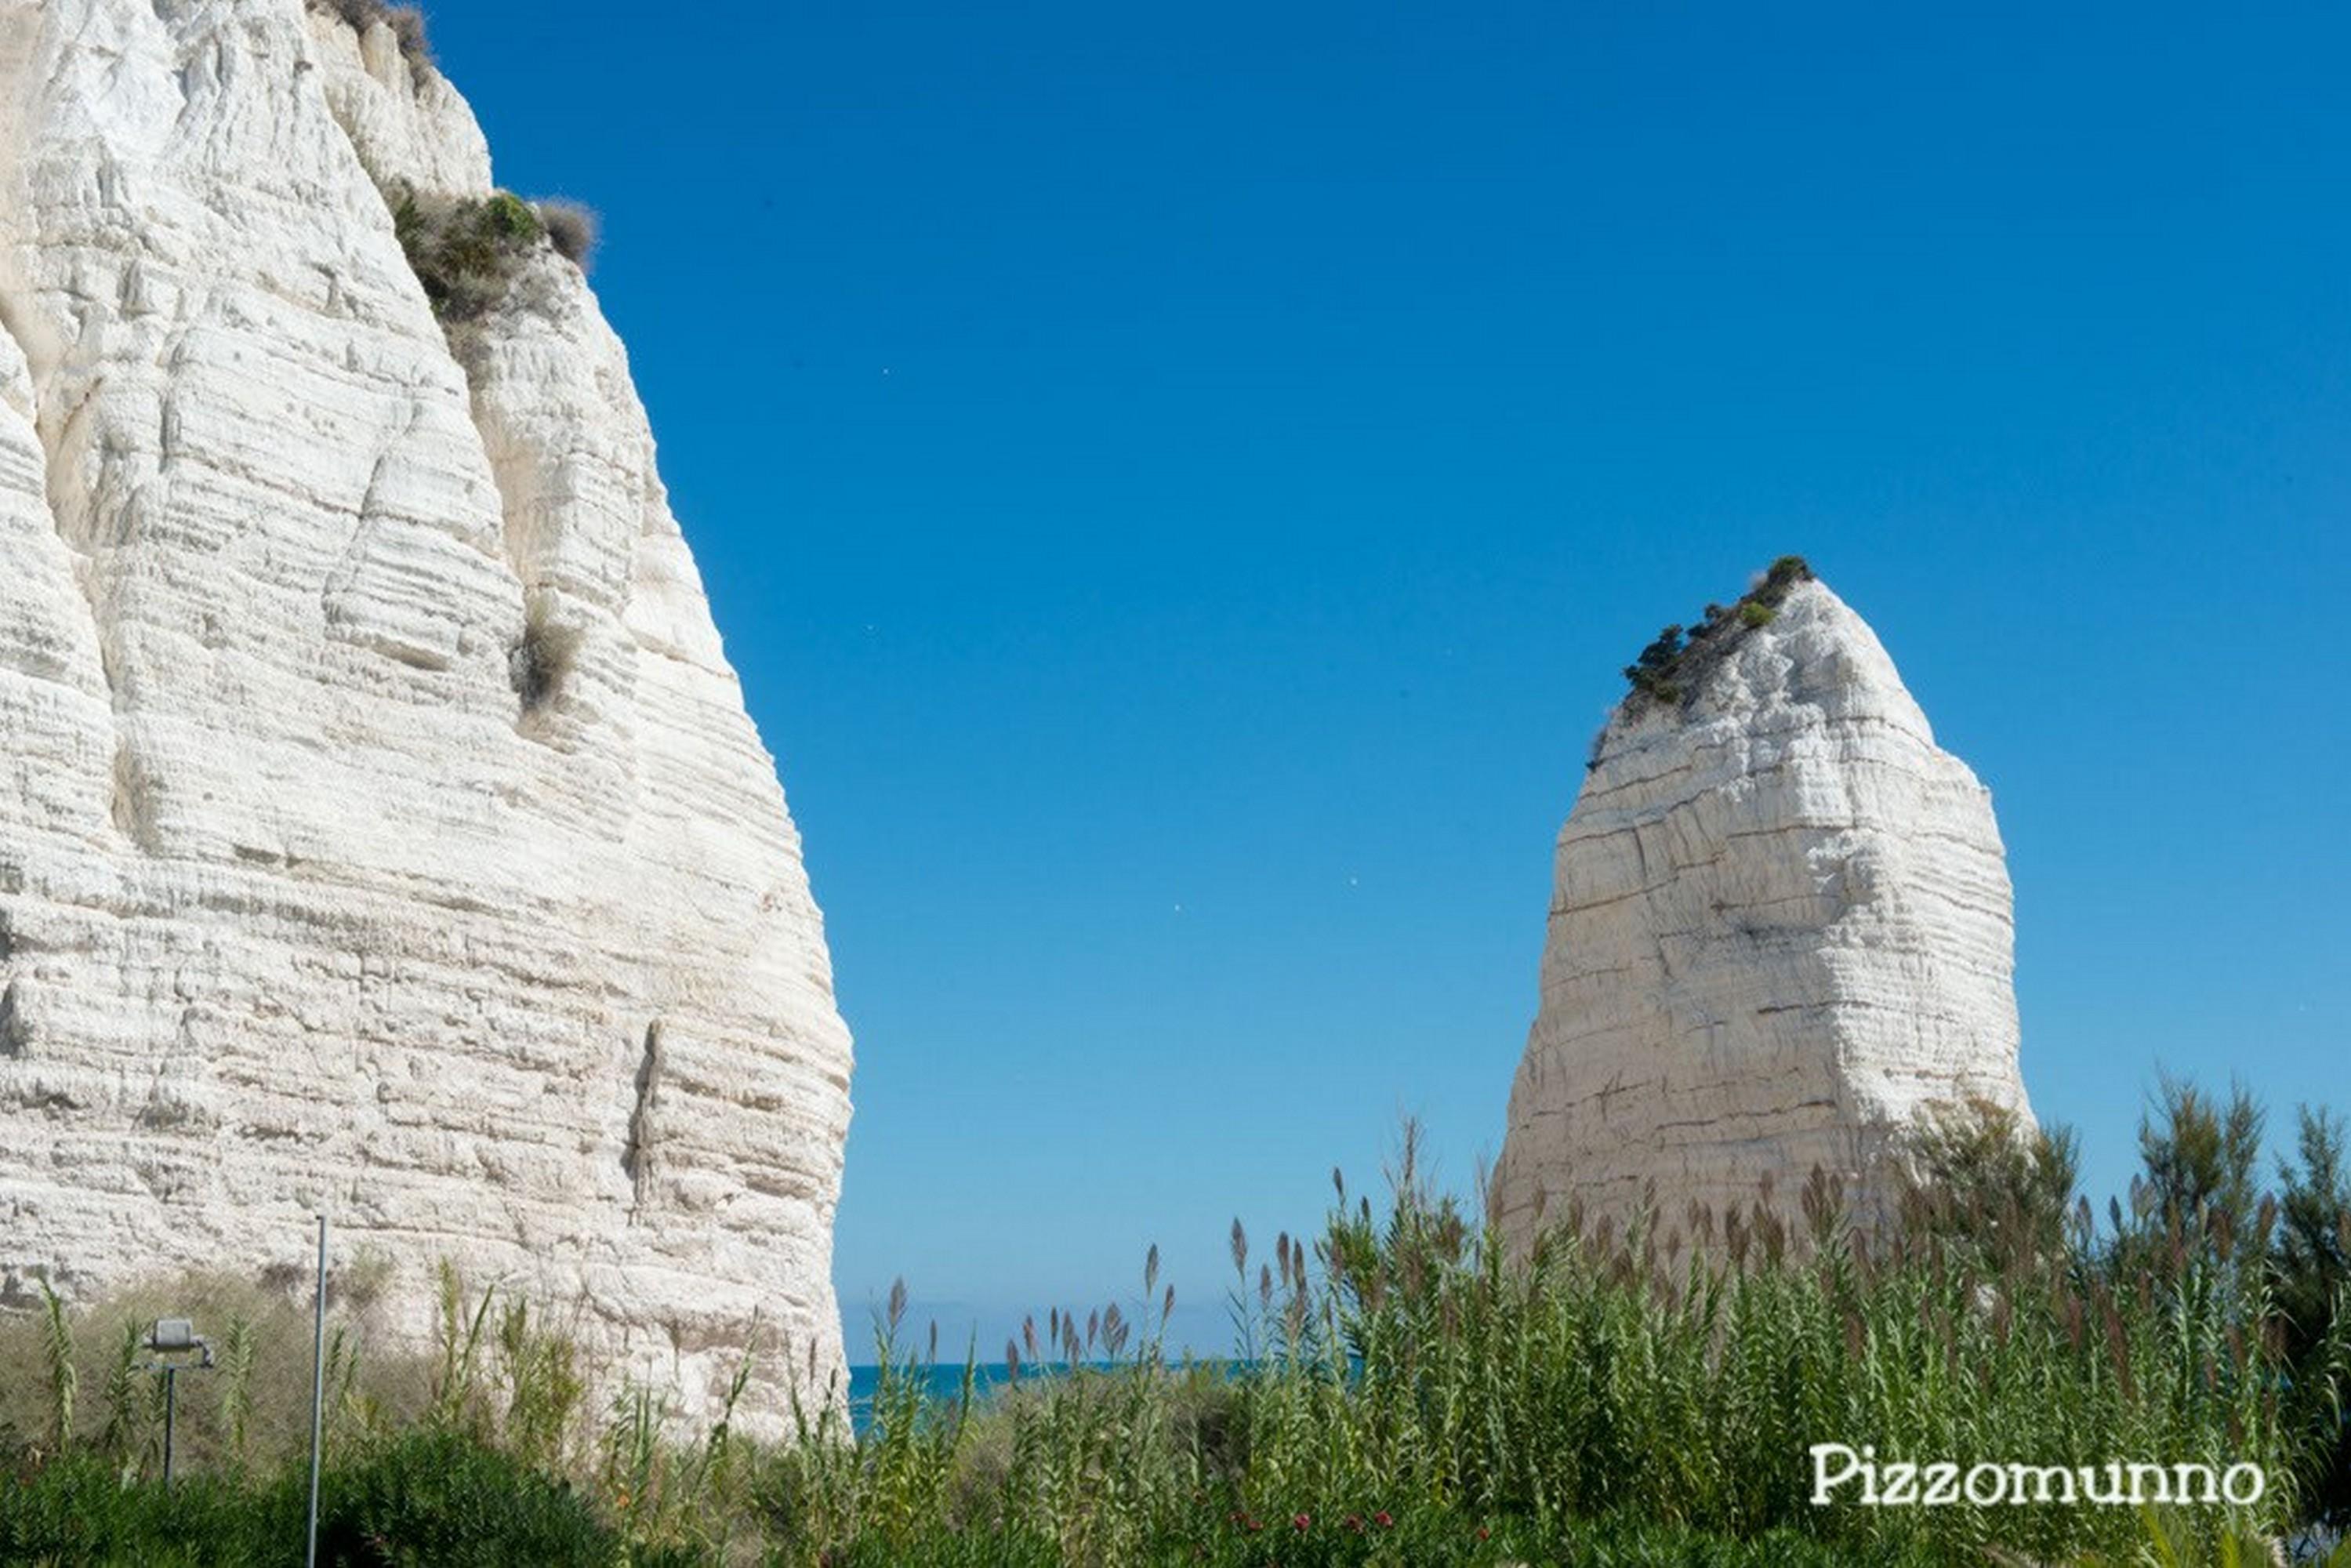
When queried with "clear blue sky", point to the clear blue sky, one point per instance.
{"points": [[1178, 485]]}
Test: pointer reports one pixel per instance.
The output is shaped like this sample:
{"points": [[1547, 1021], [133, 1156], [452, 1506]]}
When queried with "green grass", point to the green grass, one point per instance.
{"points": [[1411, 1392]]}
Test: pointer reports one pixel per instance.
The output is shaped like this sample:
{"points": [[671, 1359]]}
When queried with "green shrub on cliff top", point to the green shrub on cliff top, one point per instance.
{"points": [[1670, 667]]}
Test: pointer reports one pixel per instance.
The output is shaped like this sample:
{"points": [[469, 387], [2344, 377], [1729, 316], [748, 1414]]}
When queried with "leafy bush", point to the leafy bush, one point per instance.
{"points": [[428, 1497], [466, 253], [1672, 667], [78, 1509], [469, 253], [2202, 1157], [1653, 673], [1973, 1176], [442, 1497]]}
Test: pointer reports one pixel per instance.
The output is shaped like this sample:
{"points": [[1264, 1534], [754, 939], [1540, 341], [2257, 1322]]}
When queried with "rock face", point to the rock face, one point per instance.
{"points": [[303, 905], [1781, 931]]}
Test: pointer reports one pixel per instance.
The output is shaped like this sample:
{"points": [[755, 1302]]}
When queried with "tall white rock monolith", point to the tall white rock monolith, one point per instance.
{"points": [[383, 830], [1780, 933]]}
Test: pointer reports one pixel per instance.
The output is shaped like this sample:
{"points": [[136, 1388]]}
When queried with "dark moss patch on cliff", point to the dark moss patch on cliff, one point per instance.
{"points": [[1671, 668], [543, 658]]}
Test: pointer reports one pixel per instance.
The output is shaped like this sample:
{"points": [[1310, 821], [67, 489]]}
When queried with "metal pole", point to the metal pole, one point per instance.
{"points": [[171, 1412], [317, 1392]]}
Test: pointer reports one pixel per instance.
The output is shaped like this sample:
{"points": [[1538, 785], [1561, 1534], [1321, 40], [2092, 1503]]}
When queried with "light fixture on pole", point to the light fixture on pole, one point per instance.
{"points": [[174, 1338]]}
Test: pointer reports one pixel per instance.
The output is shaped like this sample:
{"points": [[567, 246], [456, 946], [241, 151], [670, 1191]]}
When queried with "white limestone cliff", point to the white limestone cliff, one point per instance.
{"points": [[1781, 932], [301, 905]]}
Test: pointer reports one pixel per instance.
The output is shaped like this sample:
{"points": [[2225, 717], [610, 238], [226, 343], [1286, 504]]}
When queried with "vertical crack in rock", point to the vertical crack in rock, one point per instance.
{"points": [[1779, 933], [645, 1134]]}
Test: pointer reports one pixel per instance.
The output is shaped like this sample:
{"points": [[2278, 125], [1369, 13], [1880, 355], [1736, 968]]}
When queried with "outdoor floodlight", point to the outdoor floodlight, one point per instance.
{"points": [[174, 1336]]}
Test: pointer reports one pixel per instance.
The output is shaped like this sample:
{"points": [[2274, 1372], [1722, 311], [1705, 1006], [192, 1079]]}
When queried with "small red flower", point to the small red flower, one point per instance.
{"points": [[1356, 1524], [1300, 1521], [1483, 1532], [1384, 1518]]}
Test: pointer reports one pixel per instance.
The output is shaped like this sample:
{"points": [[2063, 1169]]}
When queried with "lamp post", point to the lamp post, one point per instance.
{"points": [[174, 1337], [317, 1394]]}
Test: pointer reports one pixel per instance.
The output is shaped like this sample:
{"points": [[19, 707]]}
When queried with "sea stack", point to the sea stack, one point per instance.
{"points": [[384, 833], [1780, 933]]}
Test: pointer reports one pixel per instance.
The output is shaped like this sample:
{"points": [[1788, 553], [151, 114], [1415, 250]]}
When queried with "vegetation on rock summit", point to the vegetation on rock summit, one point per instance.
{"points": [[1671, 668]]}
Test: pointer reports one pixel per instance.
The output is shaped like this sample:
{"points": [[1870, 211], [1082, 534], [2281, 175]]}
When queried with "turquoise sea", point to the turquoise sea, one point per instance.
{"points": [[944, 1381]]}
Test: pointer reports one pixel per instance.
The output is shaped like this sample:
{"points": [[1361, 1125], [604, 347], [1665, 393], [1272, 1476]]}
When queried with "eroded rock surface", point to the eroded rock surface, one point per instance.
{"points": [[1781, 932], [302, 904]]}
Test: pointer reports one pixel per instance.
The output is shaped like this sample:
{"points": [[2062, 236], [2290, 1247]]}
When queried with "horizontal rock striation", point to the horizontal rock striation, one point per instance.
{"points": [[1781, 932], [383, 830]]}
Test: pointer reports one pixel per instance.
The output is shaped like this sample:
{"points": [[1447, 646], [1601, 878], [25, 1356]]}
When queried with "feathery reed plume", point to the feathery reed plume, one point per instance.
{"points": [[1114, 1330]]}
